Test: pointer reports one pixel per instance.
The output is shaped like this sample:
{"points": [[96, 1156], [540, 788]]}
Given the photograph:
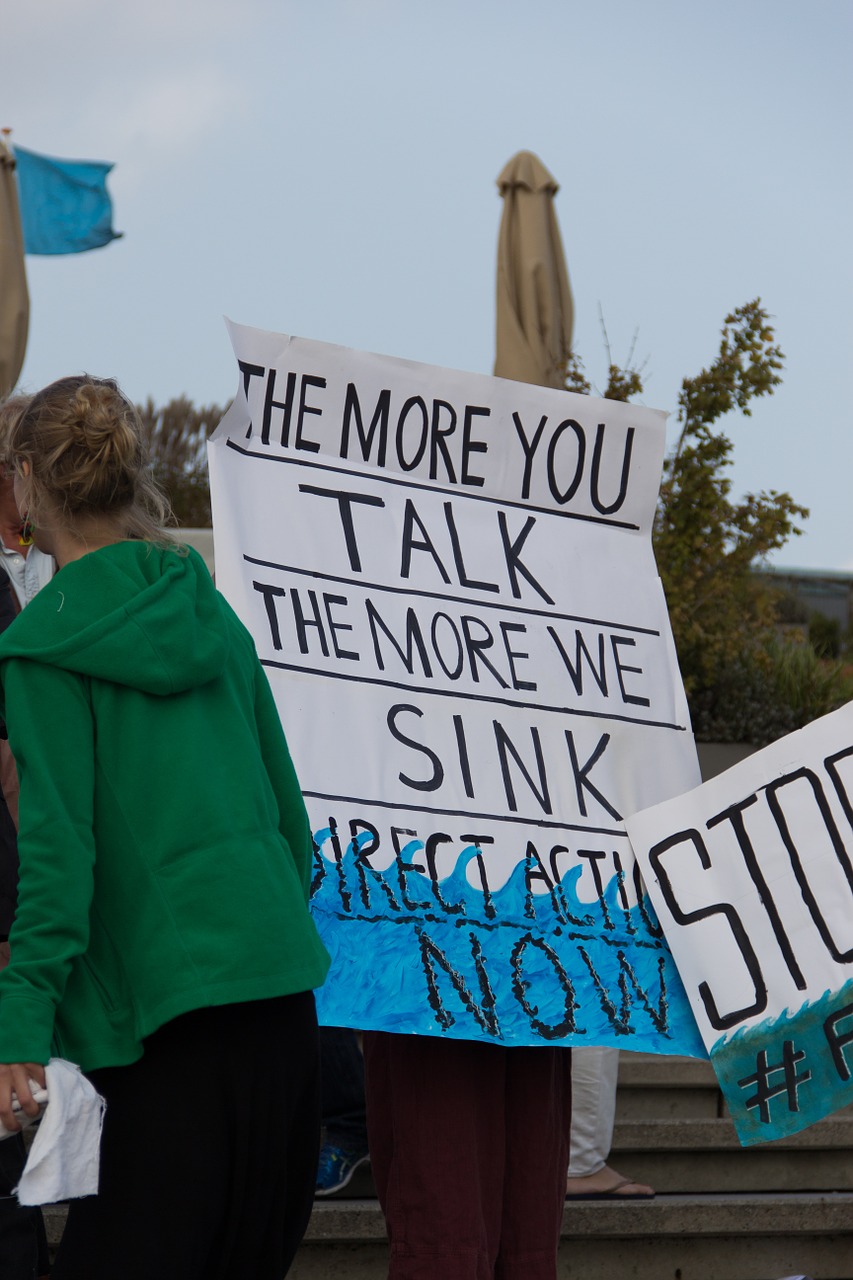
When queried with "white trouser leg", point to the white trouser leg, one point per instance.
{"points": [[594, 1072]]}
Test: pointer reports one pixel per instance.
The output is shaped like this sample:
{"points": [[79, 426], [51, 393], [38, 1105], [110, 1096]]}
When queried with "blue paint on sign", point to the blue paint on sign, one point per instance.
{"points": [[786, 1073], [416, 953]]}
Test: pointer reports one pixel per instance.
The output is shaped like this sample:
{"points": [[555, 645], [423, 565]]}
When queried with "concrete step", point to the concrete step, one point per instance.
{"points": [[705, 1156], [657, 1070], [652, 1086], [702, 1237], [710, 1237]]}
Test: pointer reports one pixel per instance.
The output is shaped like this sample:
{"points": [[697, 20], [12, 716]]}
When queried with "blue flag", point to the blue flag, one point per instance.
{"points": [[65, 206]]}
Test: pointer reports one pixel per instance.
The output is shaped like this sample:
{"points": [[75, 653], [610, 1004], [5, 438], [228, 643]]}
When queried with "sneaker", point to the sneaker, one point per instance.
{"points": [[337, 1166]]}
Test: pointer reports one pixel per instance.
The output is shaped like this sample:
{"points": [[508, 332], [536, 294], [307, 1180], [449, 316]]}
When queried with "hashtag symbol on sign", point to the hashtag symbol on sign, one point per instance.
{"points": [[765, 1091]]}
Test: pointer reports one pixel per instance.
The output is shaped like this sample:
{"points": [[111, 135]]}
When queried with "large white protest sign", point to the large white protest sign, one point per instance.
{"points": [[450, 582], [752, 877]]}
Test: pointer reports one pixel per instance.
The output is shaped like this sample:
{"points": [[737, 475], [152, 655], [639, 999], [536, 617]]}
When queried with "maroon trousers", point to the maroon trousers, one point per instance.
{"points": [[469, 1145]]}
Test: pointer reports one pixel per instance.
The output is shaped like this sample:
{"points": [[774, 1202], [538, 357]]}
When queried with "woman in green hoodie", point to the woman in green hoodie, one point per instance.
{"points": [[162, 939]]}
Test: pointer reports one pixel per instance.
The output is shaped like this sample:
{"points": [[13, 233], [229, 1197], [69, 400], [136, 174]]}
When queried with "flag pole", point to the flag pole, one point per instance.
{"points": [[14, 296]]}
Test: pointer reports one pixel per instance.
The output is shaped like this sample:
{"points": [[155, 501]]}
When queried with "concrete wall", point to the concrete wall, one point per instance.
{"points": [[716, 757], [202, 541]]}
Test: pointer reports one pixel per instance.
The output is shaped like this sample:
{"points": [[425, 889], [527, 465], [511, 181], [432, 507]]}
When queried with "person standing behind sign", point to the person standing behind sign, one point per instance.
{"points": [[469, 1144], [595, 1071], [26, 567], [162, 939], [23, 569]]}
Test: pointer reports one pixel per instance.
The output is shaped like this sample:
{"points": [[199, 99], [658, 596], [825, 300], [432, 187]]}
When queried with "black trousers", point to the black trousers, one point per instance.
{"points": [[209, 1150], [23, 1245]]}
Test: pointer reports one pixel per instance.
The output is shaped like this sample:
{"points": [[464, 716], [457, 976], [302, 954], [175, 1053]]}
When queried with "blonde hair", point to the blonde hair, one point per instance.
{"points": [[10, 410], [82, 439]]}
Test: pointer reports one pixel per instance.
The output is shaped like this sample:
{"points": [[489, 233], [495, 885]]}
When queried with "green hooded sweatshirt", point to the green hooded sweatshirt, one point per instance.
{"points": [[164, 845]]}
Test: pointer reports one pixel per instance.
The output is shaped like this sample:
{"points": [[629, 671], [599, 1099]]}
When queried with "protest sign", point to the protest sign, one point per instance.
{"points": [[752, 878], [450, 582]]}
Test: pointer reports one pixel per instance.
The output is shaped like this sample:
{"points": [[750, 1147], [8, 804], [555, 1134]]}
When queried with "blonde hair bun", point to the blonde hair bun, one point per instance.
{"points": [[82, 439]]}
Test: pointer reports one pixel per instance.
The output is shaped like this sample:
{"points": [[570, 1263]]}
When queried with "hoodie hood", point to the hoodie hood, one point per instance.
{"points": [[133, 613]]}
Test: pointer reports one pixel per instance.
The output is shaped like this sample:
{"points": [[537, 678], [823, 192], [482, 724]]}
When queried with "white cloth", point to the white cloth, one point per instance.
{"points": [[64, 1159], [594, 1072]]}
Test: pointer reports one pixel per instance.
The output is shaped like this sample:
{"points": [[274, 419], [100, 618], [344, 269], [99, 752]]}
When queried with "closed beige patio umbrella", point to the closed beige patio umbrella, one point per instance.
{"points": [[14, 298], [534, 302]]}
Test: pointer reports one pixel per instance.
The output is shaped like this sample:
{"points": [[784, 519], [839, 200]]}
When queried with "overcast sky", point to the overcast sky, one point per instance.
{"points": [[327, 168]]}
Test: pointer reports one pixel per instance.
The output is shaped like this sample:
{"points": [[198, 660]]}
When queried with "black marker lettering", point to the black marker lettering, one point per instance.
{"points": [[310, 446], [430, 848], [470, 446], [562, 496], [476, 646], [520, 987], [582, 782], [435, 780], [362, 851], [270, 594], [438, 442], [775, 806], [506, 748], [514, 564], [414, 640], [335, 626], [464, 762], [838, 1042], [411, 904], [345, 500], [529, 448], [593, 857], [454, 672], [534, 869], [734, 815], [464, 580], [432, 955], [512, 654], [477, 841], [720, 1021], [346, 896], [632, 698], [410, 544], [560, 892], [413, 402], [575, 670], [286, 406], [598, 449], [303, 623], [378, 423]]}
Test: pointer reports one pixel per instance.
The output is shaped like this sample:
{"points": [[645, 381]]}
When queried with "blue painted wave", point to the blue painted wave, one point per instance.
{"points": [[415, 953], [785, 1073]]}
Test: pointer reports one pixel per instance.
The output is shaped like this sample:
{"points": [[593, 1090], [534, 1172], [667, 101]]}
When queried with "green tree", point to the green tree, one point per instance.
{"points": [[176, 435], [743, 682], [707, 545], [825, 635]]}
